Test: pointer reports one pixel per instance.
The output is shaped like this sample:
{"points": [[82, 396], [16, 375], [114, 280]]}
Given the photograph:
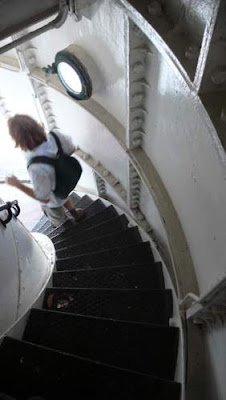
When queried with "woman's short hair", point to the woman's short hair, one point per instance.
{"points": [[26, 132]]}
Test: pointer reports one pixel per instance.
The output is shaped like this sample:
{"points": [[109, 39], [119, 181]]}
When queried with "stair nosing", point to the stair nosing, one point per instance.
{"points": [[110, 289], [87, 316], [134, 228], [158, 263], [92, 227], [77, 224], [102, 251], [85, 220], [96, 362]]}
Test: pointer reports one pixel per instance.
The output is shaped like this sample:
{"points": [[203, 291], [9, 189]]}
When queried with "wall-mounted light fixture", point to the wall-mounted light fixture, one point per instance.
{"points": [[75, 70]]}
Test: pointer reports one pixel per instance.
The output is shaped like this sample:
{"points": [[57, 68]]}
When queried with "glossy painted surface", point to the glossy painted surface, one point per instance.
{"points": [[24, 270]]}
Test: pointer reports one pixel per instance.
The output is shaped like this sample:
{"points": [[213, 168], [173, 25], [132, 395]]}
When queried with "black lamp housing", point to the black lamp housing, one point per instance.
{"points": [[68, 57], [86, 84]]}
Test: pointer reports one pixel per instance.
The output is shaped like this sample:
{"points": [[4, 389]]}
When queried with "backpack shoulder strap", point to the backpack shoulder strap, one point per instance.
{"points": [[57, 140], [41, 160]]}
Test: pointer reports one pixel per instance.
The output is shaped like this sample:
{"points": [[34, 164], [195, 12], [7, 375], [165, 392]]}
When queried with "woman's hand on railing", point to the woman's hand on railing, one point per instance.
{"points": [[12, 181]]}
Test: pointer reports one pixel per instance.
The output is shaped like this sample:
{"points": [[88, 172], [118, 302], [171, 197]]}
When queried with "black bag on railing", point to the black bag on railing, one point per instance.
{"points": [[67, 169]]}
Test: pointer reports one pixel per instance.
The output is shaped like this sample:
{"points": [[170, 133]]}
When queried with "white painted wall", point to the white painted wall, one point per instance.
{"points": [[87, 181], [103, 39]]}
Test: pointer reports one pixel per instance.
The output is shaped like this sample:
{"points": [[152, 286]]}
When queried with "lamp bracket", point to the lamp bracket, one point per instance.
{"points": [[50, 70]]}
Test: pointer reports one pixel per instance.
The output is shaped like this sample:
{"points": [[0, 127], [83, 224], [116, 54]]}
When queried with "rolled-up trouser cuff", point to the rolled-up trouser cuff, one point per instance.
{"points": [[56, 216]]}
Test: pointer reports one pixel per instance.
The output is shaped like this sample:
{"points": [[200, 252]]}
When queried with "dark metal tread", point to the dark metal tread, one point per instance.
{"points": [[112, 240], [112, 225], [27, 369], [126, 276], [145, 348], [91, 211], [154, 306], [75, 198], [68, 224], [132, 254], [83, 202], [44, 223]]}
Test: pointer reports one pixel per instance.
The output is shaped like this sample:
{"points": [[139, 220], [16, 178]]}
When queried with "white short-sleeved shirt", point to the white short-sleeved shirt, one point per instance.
{"points": [[43, 175]]}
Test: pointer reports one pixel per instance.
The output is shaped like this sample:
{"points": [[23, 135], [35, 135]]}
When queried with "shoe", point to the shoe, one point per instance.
{"points": [[78, 214]]}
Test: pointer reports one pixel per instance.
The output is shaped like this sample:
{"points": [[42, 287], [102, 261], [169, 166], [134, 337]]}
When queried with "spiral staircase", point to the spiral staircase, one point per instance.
{"points": [[103, 330], [151, 139]]}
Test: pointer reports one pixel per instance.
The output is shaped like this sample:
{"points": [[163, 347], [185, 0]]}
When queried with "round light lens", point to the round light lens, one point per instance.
{"points": [[70, 77]]}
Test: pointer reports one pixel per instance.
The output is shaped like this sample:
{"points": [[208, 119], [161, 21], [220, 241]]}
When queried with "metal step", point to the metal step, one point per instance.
{"points": [[96, 219], [121, 238], [136, 346], [83, 202], [38, 227], [121, 277], [96, 206], [154, 306], [132, 254], [44, 223], [70, 223], [75, 198], [28, 370], [91, 210], [116, 224]]}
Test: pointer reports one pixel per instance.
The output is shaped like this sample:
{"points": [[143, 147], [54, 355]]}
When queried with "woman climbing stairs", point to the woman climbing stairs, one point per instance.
{"points": [[103, 331]]}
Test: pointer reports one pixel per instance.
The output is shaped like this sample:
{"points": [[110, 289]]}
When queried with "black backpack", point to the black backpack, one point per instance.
{"points": [[67, 169]]}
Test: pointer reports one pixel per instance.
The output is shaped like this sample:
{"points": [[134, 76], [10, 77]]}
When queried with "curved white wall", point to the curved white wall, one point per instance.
{"points": [[185, 150], [24, 271]]}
